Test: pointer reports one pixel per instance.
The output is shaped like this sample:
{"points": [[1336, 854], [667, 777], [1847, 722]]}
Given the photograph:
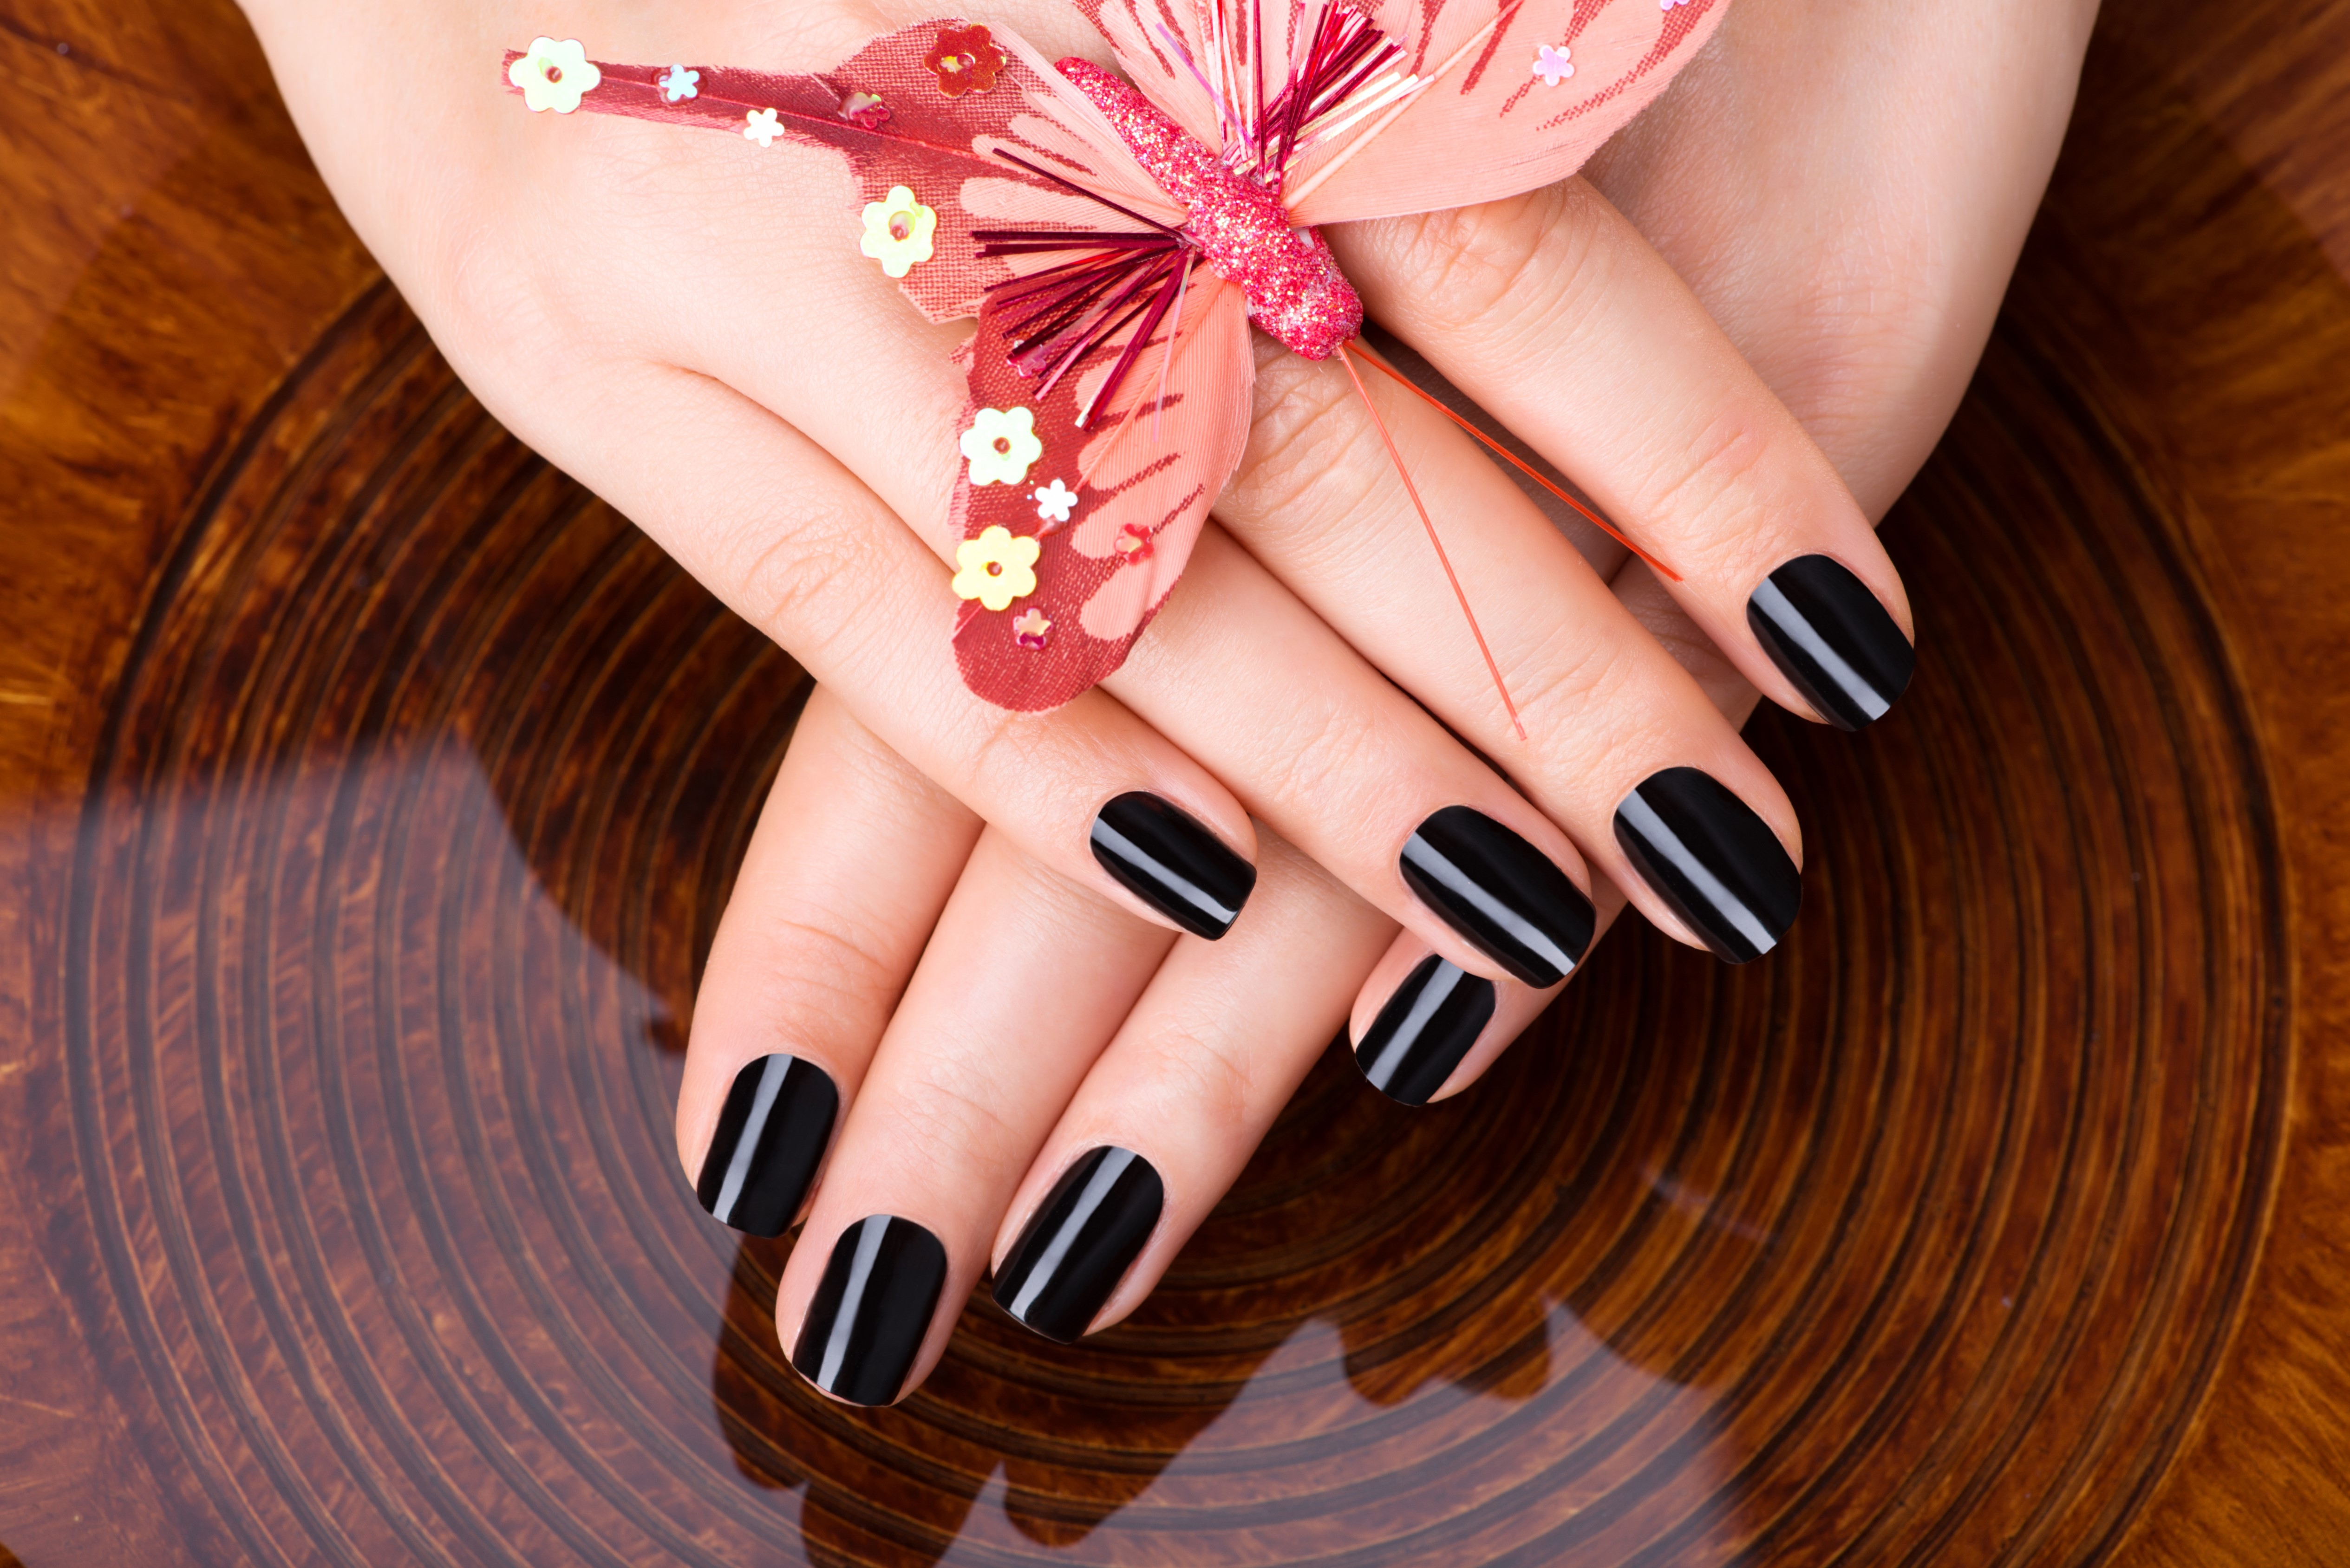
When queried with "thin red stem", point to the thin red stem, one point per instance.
{"points": [[1429, 523], [1524, 467]]}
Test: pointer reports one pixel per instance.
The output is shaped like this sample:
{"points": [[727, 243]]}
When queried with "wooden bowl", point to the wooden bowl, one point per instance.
{"points": [[373, 793]]}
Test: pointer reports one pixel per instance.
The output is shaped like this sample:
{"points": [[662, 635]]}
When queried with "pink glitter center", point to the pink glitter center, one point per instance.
{"points": [[1294, 289]]}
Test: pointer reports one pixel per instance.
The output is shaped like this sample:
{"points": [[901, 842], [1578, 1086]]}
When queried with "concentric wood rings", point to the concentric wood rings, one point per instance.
{"points": [[414, 812]]}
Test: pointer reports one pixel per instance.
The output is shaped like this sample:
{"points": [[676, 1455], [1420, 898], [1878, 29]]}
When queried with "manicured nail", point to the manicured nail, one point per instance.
{"points": [[1081, 1240], [1507, 898], [871, 1310], [1828, 634], [1717, 864], [1170, 860], [772, 1133], [1425, 1029]]}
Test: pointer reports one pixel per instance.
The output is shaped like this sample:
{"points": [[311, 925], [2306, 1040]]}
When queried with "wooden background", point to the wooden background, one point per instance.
{"points": [[367, 794]]}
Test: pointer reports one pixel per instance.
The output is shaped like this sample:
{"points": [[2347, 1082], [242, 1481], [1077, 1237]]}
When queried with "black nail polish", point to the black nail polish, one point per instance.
{"points": [[1505, 895], [871, 1310], [771, 1134], [1829, 635], [1171, 861], [1708, 855], [1081, 1240], [1425, 1029]]}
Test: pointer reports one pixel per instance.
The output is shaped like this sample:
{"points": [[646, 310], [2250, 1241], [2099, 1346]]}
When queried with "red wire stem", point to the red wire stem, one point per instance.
{"points": [[1428, 523], [1524, 467]]}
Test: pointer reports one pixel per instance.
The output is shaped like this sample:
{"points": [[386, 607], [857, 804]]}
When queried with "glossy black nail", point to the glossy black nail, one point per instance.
{"points": [[1079, 1243], [772, 1133], [1509, 898], [1424, 1030], [1708, 856], [871, 1310], [1829, 635], [1171, 861]]}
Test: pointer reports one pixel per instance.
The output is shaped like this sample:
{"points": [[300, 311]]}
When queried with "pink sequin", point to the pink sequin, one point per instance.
{"points": [[1294, 289]]}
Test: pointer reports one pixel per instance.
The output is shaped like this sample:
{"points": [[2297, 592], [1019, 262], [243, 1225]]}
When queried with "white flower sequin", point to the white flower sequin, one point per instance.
{"points": [[677, 82], [1054, 501], [1552, 65], [553, 75], [761, 125], [1001, 445]]}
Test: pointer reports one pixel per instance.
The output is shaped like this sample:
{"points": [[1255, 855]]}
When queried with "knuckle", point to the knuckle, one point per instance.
{"points": [[1702, 486], [1486, 267]]}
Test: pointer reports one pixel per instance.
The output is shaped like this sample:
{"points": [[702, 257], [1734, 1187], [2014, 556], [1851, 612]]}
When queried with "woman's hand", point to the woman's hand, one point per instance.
{"points": [[1163, 1119], [685, 322]]}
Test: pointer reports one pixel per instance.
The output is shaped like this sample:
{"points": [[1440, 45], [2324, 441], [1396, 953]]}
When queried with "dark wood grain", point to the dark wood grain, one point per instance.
{"points": [[370, 793]]}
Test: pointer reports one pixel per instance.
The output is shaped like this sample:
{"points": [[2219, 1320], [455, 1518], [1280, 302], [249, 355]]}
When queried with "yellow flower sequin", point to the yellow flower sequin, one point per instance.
{"points": [[898, 232], [1001, 444], [553, 75], [996, 567]]}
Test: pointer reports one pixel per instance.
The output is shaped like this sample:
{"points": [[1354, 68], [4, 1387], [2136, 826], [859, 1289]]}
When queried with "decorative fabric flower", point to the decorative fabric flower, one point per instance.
{"points": [[1553, 65], [761, 125], [1133, 542], [677, 82], [865, 111], [1001, 444], [964, 59], [1031, 629], [1054, 501], [996, 567], [897, 231], [554, 75]]}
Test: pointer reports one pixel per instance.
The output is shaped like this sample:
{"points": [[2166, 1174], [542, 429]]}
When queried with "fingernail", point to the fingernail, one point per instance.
{"points": [[1171, 861], [1706, 854], [1829, 635], [1425, 1029], [771, 1134], [1507, 898], [871, 1310], [1081, 1240]]}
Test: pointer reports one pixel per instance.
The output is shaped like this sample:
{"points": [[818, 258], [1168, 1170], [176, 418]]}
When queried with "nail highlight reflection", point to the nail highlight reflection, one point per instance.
{"points": [[771, 1136], [1082, 1238], [1710, 858], [872, 1309], [1425, 1029]]}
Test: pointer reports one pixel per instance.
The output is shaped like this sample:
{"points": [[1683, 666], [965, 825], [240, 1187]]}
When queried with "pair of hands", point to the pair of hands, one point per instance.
{"points": [[925, 957]]}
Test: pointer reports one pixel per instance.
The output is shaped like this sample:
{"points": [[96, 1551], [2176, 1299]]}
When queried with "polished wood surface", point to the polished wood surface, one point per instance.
{"points": [[370, 793]]}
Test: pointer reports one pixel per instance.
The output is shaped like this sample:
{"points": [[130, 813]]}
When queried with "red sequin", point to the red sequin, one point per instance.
{"points": [[964, 59]]}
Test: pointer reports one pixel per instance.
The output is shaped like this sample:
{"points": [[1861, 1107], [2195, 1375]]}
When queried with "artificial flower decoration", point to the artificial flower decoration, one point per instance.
{"points": [[677, 82], [864, 111], [964, 59], [1054, 501], [1001, 444], [996, 567], [897, 231], [1118, 234], [554, 75]]}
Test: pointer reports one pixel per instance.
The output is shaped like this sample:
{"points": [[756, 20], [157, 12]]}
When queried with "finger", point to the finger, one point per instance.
{"points": [[1175, 1106], [852, 859], [1554, 315], [1612, 695], [1622, 749], [1023, 980], [797, 546]]}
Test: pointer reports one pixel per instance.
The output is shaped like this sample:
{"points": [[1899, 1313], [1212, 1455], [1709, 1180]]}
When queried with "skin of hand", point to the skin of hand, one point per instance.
{"points": [[403, 187], [683, 320], [1855, 251]]}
